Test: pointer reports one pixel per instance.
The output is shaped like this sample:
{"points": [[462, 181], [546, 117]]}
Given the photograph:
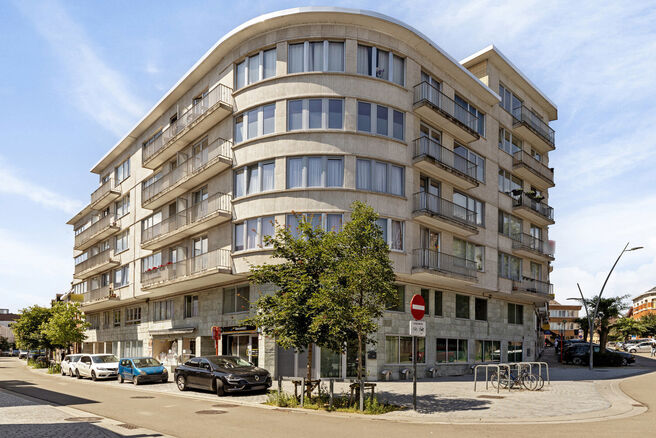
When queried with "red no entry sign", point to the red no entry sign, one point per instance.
{"points": [[417, 307]]}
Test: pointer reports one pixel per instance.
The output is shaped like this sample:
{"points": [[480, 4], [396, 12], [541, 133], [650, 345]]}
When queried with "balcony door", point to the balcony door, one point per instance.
{"points": [[430, 244], [199, 203], [434, 87], [199, 154], [429, 137], [430, 193], [200, 255]]}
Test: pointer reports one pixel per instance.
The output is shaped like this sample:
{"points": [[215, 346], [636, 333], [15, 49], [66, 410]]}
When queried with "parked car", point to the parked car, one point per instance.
{"points": [[628, 356], [68, 364], [22, 354], [142, 369], [580, 355], [633, 342], [567, 343], [642, 347], [97, 366], [221, 374]]}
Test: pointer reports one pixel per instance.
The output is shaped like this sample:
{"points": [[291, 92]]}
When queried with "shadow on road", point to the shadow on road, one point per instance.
{"points": [[84, 429], [430, 404], [29, 389]]}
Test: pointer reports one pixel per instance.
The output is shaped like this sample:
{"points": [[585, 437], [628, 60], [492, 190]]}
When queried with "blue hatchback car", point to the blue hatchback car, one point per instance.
{"points": [[141, 370]]}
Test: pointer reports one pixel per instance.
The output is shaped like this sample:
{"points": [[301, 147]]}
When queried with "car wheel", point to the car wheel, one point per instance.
{"points": [[218, 385], [182, 383], [93, 376], [120, 378], [577, 361], [63, 372], [633, 350], [135, 380], [165, 379], [70, 373], [77, 374]]}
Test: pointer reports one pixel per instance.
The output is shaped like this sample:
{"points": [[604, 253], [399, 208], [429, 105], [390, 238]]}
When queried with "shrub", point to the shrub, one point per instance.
{"points": [[54, 368], [37, 363]]}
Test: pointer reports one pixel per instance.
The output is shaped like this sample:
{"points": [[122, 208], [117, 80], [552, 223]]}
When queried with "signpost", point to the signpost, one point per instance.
{"points": [[216, 335], [417, 328]]}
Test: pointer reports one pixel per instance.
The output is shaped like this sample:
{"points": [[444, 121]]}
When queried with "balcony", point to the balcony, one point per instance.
{"points": [[531, 286], [434, 262], [203, 114], [212, 160], [433, 211], [99, 230], [436, 107], [104, 195], [208, 213], [532, 128], [439, 162], [529, 246], [531, 170], [204, 270], [536, 211], [95, 264]]}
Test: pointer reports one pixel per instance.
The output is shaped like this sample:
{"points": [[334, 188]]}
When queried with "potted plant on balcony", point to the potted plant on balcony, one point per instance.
{"points": [[517, 192]]}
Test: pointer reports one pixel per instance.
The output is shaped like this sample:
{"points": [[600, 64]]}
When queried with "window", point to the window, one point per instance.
{"points": [[249, 234], [462, 306], [315, 56], [121, 276], [381, 120], [325, 221], [315, 172], [152, 139], [508, 142], [378, 176], [255, 123], [464, 105], [151, 262], [162, 310], [106, 320], [122, 242], [399, 306], [254, 68], [133, 315], [121, 172], [468, 205], [451, 350], [256, 178], [438, 303], [315, 114], [510, 225], [515, 314], [510, 267], [509, 101], [480, 309], [398, 350], [236, 299], [190, 306], [151, 180], [382, 64], [117, 318], [471, 156], [515, 351], [509, 182], [392, 232], [425, 294], [80, 288], [487, 351], [94, 320], [469, 251], [122, 206]]}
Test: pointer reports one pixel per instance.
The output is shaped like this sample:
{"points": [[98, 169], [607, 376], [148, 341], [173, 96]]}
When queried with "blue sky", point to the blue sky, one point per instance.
{"points": [[75, 76]]}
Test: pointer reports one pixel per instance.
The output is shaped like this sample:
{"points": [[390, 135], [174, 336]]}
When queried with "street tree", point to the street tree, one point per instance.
{"points": [[29, 328], [584, 325], [609, 310], [624, 327], [66, 325], [649, 324], [4, 344]]}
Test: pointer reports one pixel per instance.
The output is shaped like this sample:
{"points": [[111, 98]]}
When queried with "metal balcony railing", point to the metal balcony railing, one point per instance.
{"points": [[425, 92], [433, 204], [439, 261], [218, 149], [103, 190], [219, 202], [523, 200], [95, 260], [217, 259], [523, 158], [526, 241], [95, 228], [425, 146], [530, 285], [98, 294], [220, 94], [521, 114]]}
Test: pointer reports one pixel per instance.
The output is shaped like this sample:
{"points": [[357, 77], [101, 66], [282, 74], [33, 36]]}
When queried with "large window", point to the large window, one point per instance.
{"points": [[425, 294], [122, 242], [466, 106], [508, 142], [510, 266], [487, 351], [151, 262], [117, 317], [121, 172], [122, 206], [133, 315], [250, 233], [472, 156], [399, 306], [256, 67], [255, 122], [509, 225], [398, 350], [80, 288], [469, 251], [255, 178], [509, 182], [382, 64], [480, 309], [381, 120], [315, 172], [93, 320], [509, 101], [162, 310], [325, 221], [392, 232], [515, 350], [315, 114], [190, 306], [471, 204], [515, 314], [451, 350], [315, 56], [462, 306], [378, 176], [236, 299], [121, 276]]}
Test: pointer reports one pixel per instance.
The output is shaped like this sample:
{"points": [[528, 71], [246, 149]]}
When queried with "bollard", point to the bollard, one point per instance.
{"points": [[361, 395], [279, 385]]}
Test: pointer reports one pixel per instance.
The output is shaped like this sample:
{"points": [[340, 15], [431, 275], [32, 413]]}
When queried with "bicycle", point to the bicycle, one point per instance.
{"points": [[523, 379]]}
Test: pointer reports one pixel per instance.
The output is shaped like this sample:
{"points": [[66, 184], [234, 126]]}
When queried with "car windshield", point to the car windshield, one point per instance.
{"points": [[104, 359], [229, 361], [145, 362]]}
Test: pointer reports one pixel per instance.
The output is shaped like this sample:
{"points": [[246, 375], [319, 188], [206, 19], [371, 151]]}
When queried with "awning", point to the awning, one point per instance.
{"points": [[173, 331]]}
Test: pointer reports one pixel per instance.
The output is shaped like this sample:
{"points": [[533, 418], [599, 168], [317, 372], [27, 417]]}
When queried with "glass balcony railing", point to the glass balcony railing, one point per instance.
{"points": [[433, 204], [523, 115], [428, 93], [528, 284], [523, 200], [532, 243], [521, 158], [428, 147], [438, 261], [217, 259]]}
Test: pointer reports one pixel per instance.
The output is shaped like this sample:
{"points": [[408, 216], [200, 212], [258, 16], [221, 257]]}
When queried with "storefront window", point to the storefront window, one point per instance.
{"points": [[331, 364], [514, 352]]}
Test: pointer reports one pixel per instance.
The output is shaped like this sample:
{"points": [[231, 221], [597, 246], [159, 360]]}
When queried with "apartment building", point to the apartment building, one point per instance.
{"points": [[644, 304], [562, 320], [304, 111]]}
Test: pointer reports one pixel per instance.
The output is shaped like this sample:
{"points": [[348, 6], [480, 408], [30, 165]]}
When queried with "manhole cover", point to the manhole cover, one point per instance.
{"points": [[210, 412], [83, 419], [128, 426], [142, 396], [491, 396], [223, 405]]}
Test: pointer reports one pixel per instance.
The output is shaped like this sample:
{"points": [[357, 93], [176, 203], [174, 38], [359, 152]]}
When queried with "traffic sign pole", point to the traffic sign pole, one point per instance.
{"points": [[414, 373], [418, 309]]}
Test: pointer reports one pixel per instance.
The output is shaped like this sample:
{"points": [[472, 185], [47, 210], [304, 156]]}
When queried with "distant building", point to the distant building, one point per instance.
{"points": [[644, 304], [7, 318], [562, 319]]}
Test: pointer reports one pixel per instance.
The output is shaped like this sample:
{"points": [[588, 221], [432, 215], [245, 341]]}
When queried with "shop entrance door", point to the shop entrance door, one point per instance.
{"points": [[244, 346]]}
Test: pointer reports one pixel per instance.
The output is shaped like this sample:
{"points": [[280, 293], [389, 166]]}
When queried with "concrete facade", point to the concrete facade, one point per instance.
{"points": [[644, 304], [440, 176]]}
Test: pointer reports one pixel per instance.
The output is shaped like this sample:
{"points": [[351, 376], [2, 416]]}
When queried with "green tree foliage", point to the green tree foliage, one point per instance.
{"points": [[623, 328], [4, 344], [649, 324], [609, 310], [66, 325], [28, 330], [583, 324]]}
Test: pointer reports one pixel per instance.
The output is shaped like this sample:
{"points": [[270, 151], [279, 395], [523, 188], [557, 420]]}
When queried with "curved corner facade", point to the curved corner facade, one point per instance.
{"points": [[305, 111]]}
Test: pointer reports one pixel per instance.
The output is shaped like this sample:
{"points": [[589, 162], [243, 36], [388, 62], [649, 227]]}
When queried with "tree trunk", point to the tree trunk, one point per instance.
{"points": [[309, 370], [359, 356]]}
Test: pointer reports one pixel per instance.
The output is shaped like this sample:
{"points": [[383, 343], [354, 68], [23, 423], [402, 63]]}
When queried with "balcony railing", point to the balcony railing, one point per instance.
{"points": [[433, 204], [522, 158], [98, 294], [95, 228], [439, 261], [99, 259], [428, 147], [219, 202], [523, 200], [217, 259], [217, 95], [526, 241], [521, 114], [530, 285], [425, 92], [103, 190], [218, 149]]}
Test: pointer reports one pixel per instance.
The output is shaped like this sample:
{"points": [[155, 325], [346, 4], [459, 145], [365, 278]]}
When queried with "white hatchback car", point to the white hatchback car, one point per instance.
{"points": [[97, 366], [68, 364]]}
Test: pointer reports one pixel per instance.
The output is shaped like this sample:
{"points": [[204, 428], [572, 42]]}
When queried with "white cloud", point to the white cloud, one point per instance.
{"points": [[13, 184], [98, 90]]}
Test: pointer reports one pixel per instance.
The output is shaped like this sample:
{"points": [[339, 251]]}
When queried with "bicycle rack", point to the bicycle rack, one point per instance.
{"points": [[531, 364], [487, 368]]}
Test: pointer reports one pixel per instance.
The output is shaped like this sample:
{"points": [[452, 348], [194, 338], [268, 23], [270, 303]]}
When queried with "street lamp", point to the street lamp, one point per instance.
{"points": [[596, 309]]}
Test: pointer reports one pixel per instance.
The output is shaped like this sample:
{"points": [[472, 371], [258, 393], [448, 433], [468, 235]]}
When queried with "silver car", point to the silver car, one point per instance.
{"points": [[642, 347]]}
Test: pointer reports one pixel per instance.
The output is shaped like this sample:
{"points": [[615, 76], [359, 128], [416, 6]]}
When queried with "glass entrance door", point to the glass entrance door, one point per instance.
{"points": [[245, 346]]}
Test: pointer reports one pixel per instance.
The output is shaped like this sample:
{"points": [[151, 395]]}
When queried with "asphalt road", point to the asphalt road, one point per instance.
{"points": [[179, 416]]}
